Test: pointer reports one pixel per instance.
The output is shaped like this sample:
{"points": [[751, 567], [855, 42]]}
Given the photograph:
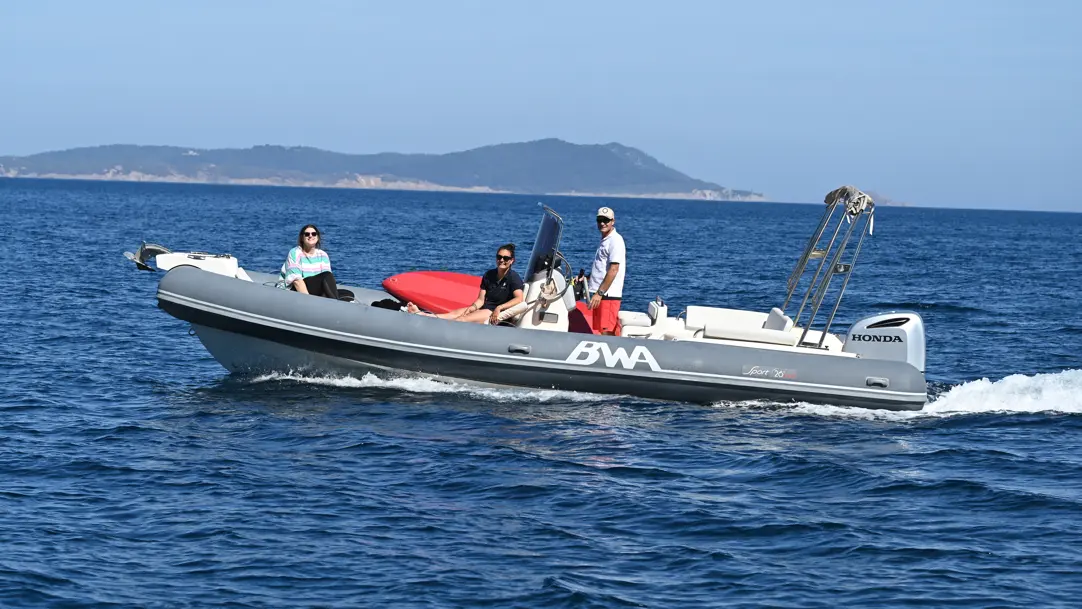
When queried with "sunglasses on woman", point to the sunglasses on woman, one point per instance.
{"points": [[500, 258], [310, 234]]}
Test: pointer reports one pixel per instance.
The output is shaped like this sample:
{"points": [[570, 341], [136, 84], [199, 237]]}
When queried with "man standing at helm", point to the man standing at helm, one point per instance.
{"points": [[607, 275]]}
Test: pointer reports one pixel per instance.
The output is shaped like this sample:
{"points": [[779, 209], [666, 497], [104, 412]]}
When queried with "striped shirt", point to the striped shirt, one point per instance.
{"points": [[299, 265]]}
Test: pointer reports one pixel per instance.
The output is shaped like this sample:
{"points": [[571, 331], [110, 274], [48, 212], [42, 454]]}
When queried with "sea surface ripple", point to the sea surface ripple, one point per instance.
{"points": [[138, 473]]}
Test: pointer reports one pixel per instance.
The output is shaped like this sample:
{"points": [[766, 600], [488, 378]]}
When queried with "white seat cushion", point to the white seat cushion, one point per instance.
{"points": [[778, 320], [735, 324], [634, 318], [699, 317], [750, 333], [636, 332]]}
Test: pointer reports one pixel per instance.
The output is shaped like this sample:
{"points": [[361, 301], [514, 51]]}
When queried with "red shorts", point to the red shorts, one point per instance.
{"points": [[607, 317]]}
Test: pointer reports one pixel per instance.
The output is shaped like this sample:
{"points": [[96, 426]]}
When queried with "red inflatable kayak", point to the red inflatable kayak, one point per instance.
{"points": [[435, 291], [443, 291]]}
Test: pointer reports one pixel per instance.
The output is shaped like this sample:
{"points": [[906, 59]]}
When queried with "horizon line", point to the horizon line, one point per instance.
{"points": [[522, 194]]}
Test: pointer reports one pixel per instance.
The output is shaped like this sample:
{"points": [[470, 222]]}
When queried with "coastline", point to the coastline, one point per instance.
{"points": [[372, 183]]}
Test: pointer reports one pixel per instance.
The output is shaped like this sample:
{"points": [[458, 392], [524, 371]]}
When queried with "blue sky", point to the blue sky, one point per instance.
{"points": [[948, 103]]}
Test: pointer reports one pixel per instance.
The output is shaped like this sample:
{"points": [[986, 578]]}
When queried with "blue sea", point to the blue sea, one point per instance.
{"points": [[135, 472]]}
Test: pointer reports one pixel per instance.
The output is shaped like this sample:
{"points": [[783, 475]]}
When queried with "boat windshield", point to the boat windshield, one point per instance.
{"points": [[545, 246]]}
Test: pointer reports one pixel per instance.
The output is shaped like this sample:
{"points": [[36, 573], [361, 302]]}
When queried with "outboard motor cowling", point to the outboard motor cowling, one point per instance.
{"points": [[891, 336]]}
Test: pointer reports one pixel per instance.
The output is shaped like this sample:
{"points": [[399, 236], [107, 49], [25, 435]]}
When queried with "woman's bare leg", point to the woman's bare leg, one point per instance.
{"points": [[479, 316], [412, 308], [453, 314]]}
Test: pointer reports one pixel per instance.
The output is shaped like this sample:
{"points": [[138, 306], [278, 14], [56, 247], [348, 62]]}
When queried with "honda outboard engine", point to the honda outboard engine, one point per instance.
{"points": [[892, 336]]}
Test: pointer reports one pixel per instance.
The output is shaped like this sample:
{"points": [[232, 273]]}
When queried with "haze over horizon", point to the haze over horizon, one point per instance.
{"points": [[961, 104]]}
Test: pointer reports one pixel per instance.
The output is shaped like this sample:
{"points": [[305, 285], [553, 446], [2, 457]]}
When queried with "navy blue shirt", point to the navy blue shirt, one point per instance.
{"points": [[499, 291]]}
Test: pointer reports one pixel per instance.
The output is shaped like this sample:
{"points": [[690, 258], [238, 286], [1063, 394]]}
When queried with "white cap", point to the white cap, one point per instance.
{"points": [[607, 213]]}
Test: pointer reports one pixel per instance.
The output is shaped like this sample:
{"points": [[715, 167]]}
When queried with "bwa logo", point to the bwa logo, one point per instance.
{"points": [[587, 352]]}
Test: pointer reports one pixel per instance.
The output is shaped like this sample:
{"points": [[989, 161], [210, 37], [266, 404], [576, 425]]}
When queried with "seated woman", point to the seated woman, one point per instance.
{"points": [[501, 288], [307, 268]]}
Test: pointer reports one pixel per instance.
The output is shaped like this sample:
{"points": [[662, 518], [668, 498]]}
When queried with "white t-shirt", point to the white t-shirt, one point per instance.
{"points": [[611, 250]]}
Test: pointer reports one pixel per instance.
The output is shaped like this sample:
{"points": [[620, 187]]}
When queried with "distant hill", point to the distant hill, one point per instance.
{"points": [[549, 166]]}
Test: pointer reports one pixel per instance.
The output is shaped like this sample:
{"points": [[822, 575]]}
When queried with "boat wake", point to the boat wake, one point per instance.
{"points": [[1053, 392], [428, 385], [1059, 392]]}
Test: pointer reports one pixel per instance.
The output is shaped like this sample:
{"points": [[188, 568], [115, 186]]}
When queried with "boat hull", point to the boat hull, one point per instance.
{"points": [[250, 327]]}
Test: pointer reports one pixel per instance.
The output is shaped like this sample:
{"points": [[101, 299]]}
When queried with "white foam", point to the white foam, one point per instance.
{"points": [[1053, 392], [853, 412], [429, 385], [821, 410]]}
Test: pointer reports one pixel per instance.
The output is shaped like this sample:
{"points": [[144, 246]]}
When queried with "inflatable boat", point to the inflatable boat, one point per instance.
{"points": [[702, 354]]}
